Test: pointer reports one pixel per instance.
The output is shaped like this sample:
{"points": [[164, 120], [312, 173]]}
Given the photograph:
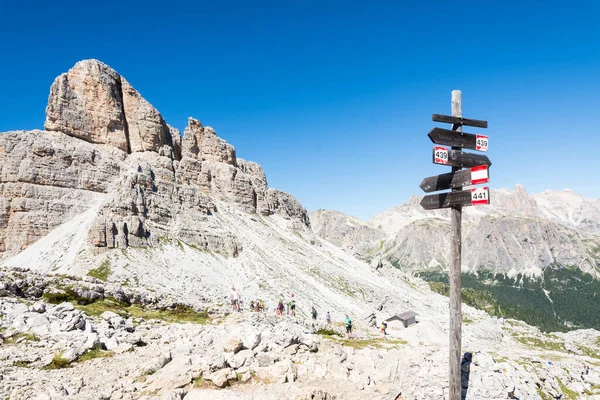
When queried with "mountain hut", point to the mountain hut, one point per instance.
{"points": [[402, 320]]}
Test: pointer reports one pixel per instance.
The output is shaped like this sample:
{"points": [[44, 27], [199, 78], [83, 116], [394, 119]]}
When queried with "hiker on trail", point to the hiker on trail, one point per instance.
{"points": [[348, 326], [314, 313], [252, 305], [234, 297], [384, 327], [328, 318], [279, 311], [293, 307]]}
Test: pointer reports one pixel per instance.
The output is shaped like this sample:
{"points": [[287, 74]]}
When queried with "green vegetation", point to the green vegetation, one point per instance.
{"points": [[567, 393], [199, 381], [180, 313], [21, 363], [94, 353], [562, 299], [378, 343], [58, 362], [552, 345], [31, 337], [328, 332], [543, 395], [102, 272]]}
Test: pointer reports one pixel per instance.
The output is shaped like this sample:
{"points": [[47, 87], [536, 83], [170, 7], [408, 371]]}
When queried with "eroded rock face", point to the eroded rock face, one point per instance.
{"points": [[87, 103], [46, 178], [147, 130], [108, 148]]}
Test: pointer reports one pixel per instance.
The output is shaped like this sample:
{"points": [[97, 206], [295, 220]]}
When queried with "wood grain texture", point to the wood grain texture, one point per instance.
{"points": [[461, 159], [454, 278], [453, 138], [459, 120], [447, 181]]}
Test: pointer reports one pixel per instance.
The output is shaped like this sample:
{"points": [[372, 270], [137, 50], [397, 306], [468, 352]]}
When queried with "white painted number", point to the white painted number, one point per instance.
{"points": [[440, 155], [479, 196], [481, 143]]}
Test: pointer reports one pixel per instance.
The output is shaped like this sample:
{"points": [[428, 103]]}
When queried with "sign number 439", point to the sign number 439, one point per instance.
{"points": [[481, 143], [440, 155], [480, 196]]}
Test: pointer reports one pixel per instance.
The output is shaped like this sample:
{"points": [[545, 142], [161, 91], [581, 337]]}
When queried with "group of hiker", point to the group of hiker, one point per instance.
{"points": [[236, 302], [289, 308]]}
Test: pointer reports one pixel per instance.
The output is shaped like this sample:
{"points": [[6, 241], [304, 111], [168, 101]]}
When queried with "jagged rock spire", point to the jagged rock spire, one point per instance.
{"points": [[94, 103]]}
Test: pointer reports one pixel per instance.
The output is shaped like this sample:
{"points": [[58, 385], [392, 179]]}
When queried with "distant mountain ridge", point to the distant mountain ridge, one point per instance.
{"points": [[517, 232]]}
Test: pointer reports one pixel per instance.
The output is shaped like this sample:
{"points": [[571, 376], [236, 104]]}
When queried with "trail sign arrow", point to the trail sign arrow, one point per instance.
{"points": [[458, 139], [459, 121], [473, 197], [467, 177], [457, 158]]}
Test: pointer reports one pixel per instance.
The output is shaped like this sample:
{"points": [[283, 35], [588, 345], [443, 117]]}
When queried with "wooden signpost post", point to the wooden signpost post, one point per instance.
{"points": [[456, 200], [465, 177]]}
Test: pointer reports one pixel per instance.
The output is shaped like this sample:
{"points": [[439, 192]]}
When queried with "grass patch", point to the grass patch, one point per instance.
{"points": [[102, 272], [570, 394], [589, 351], [21, 364], [540, 344], [94, 353], [31, 337], [378, 343], [179, 313], [108, 304], [327, 332], [543, 395], [198, 381], [58, 363]]}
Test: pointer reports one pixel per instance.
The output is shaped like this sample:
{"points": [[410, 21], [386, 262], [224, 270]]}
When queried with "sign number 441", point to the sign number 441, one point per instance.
{"points": [[480, 196]]}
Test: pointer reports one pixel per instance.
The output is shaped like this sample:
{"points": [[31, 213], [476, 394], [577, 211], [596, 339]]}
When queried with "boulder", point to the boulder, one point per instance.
{"points": [[220, 377], [38, 307], [157, 363], [251, 339], [232, 345]]}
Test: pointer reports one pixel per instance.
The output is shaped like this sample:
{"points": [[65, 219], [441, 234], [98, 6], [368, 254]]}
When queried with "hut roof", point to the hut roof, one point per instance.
{"points": [[403, 316]]}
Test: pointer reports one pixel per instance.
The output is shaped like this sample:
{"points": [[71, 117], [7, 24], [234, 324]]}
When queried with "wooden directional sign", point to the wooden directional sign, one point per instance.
{"points": [[467, 177], [459, 121], [456, 158], [458, 139], [473, 197]]}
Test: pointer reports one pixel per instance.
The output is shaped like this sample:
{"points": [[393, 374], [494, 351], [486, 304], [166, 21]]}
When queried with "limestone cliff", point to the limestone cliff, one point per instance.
{"points": [[105, 146]]}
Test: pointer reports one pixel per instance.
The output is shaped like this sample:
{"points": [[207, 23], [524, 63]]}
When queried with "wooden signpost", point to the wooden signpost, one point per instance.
{"points": [[456, 200], [457, 158], [465, 177], [458, 139]]}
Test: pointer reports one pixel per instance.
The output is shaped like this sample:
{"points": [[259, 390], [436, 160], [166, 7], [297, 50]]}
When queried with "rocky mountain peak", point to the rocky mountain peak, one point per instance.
{"points": [[107, 148], [94, 103]]}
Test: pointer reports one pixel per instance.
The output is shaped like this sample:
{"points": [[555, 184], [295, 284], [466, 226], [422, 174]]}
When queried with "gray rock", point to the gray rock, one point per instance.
{"points": [[219, 378], [38, 307], [232, 345]]}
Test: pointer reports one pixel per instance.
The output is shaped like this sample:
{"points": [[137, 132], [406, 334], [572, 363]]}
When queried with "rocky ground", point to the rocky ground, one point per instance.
{"points": [[141, 346]]}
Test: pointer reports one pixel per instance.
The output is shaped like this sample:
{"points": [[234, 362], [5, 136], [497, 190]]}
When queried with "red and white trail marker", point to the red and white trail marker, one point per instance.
{"points": [[480, 196], [481, 143], [440, 155], [479, 175]]}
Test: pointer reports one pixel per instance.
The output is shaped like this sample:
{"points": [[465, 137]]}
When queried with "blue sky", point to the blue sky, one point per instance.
{"points": [[334, 99]]}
